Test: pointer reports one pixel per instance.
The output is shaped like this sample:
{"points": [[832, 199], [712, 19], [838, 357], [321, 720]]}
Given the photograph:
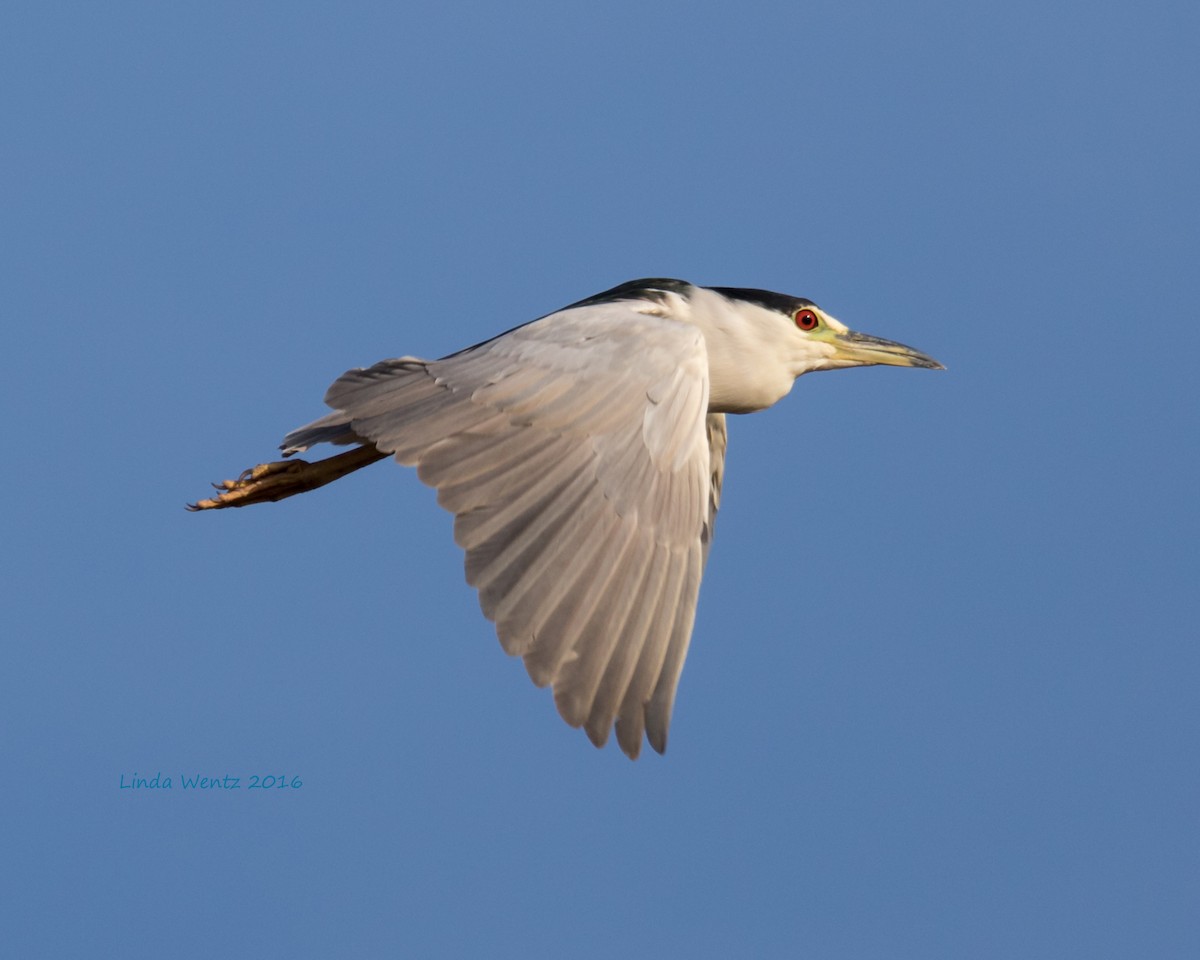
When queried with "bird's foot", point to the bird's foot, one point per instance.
{"points": [[260, 484], [286, 478]]}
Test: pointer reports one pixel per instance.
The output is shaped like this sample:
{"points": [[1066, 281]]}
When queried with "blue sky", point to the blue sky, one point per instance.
{"points": [[941, 697]]}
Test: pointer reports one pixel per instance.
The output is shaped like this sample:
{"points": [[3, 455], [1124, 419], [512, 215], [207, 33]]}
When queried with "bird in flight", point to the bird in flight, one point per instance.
{"points": [[582, 456]]}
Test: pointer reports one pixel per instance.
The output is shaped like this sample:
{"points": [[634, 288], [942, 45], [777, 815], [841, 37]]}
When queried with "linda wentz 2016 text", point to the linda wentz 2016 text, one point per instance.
{"points": [[197, 782]]}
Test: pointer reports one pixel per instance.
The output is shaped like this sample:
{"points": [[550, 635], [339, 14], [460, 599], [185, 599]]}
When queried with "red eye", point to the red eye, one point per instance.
{"points": [[806, 319]]}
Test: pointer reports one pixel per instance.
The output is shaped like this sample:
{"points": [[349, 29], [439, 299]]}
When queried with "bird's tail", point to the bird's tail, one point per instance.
{"points": [[383, 389], [332, 428]]}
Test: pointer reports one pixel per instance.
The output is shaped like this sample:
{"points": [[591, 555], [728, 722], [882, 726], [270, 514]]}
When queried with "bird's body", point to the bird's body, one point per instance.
{"points": [[582, 455]]}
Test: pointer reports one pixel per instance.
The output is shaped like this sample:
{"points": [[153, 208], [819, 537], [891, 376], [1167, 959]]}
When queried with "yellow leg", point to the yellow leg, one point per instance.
{"points": [[286, 478]]}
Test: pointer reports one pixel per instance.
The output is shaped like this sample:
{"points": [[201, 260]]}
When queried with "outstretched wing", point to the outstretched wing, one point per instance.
{"points": [[583, 469]]}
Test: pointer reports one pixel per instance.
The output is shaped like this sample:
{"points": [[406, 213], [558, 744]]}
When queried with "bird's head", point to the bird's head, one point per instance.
{"points": [[812, 339]]}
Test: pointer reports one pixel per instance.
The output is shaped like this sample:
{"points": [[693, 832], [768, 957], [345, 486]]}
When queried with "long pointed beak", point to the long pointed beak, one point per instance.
{"points": [[860, 349]]}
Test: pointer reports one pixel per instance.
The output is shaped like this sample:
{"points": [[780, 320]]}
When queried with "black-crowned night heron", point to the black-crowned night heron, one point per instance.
{"points": [[582, 456]]}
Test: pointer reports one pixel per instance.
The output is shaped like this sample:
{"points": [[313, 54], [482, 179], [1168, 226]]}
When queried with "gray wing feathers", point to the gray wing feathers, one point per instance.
{"points": [[658, 711], [575, 455], [331, 428], [718, 442]]}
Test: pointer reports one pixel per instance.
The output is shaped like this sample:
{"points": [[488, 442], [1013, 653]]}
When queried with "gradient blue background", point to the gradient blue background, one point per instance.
{"points": [[942, 694]]}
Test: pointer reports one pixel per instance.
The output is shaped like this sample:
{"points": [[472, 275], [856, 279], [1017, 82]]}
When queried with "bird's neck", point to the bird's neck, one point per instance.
{"points": [[746, 369]]}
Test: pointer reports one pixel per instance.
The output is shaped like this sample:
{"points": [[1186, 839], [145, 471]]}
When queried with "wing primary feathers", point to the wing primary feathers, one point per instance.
{"points": [[557, 638], [578, 685], [631, 716], [658, 710], [614, 685]]}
